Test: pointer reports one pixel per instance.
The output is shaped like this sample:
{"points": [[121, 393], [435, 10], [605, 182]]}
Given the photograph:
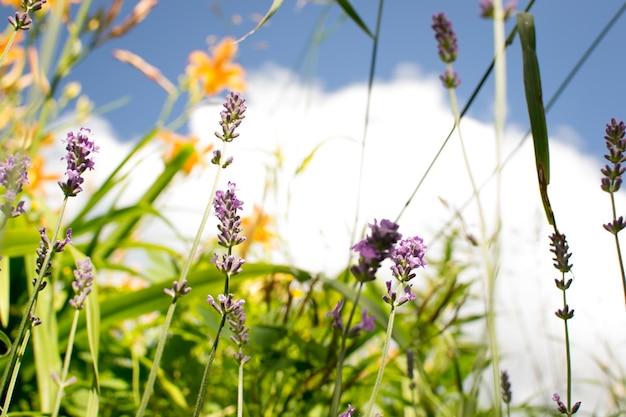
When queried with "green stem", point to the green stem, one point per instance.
{"points": [[207, 370], [66, 364], [11, 368], [240, 386], [147, 393], [617, 246], [342, 355], [381, 370], [568, 356], [20, 356]]}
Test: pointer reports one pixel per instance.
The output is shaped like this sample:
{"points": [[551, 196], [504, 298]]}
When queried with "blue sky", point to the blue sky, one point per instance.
{"points": [[167, 36]]}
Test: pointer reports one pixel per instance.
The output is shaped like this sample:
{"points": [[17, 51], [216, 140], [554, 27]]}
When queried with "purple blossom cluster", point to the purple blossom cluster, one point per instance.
{"points": [[83, 279], [45, 246], [237, 325], [486, 9], [374, 249], [447, 47], [232, 115], [79, 159], [226, 205], [562, 408], [22, 21], [13, 176], [366, 324], [349, 413]]}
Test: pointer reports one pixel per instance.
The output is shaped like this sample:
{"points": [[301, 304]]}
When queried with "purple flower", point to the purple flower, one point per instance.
{"points": [[351, 410], [231, 117], [367, 324], [237, 322], [227, 264], [226, 205], [13, 176], [450, 78], [336, 315], [561, 408], [374, 249], [407, 256], [486, 9], [177, 290], [616, 145], [83, 279], [446, 38], [79, 148], [560, 248], [42, 253]]}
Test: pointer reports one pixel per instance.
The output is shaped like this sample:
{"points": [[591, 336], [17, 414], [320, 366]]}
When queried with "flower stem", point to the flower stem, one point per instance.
{"points": [[617, 246], [11, 370], [147, 393], [342, 356], [381, 369], [66, 364]]}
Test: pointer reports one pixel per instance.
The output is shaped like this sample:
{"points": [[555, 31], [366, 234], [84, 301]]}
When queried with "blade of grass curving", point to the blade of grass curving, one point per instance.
{"points": [[273, 8], [352, 14], [536, 112], [123, 229], [5, 292]]}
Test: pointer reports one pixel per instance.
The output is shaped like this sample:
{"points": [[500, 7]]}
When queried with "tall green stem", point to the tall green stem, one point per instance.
{"points": [[342, 355], [381, 369]]}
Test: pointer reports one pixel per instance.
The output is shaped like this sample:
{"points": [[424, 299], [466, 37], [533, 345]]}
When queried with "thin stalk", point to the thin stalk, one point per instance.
{"points": [[240, 387], [568, 355], [8, 46], [147, 393], [66, 364], [617, 246], [170, 312], [342, 355], [207, 370], [381, 369], [7, 400], [11, 368]]}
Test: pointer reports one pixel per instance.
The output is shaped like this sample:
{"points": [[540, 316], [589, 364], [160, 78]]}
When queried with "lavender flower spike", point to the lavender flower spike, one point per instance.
{"points": [[374, 249], [226, 206], [407, 256], [13, 176], [349, 413], [83, 279], [446, 38], [231, 117], [79, 148]]}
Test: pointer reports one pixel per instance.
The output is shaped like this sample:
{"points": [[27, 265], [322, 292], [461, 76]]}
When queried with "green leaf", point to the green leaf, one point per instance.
{"points": [[536, 112], [5, 291], [273, 8], [352, 14]]}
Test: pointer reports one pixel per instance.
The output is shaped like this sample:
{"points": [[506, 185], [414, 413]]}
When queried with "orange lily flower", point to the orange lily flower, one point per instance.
{"points": [[176, 142], [256, 228], [37, 177], [216, 73]]}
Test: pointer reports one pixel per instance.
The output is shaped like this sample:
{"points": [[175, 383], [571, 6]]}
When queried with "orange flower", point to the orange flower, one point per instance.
{"points": [[176, 142], [216, 73], [256, 228], [37, 177]]}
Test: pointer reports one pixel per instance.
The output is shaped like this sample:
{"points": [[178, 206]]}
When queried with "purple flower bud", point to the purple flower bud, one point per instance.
{"points": [[561, 408], [446, 38], [336, 315], [349, 413], [560, 248], [83, 279], [374, 249], [42, 252], [367, 324], [226, 206], [227, 264], [231, 116], [79, 148], [486, 9], [177, 290], [407, 256]]}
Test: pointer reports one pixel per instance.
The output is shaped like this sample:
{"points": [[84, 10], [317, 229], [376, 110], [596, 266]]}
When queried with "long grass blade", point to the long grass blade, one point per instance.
{"points": [[536, 112]]}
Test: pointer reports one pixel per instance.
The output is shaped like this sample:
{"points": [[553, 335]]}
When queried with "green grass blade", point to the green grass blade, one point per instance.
{"points": [[352, 14], [273, 8], [5, 291], [536, 112]]}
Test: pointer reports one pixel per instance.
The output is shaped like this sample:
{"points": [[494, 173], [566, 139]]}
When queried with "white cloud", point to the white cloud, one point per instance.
{"points": [[409, 120]]}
